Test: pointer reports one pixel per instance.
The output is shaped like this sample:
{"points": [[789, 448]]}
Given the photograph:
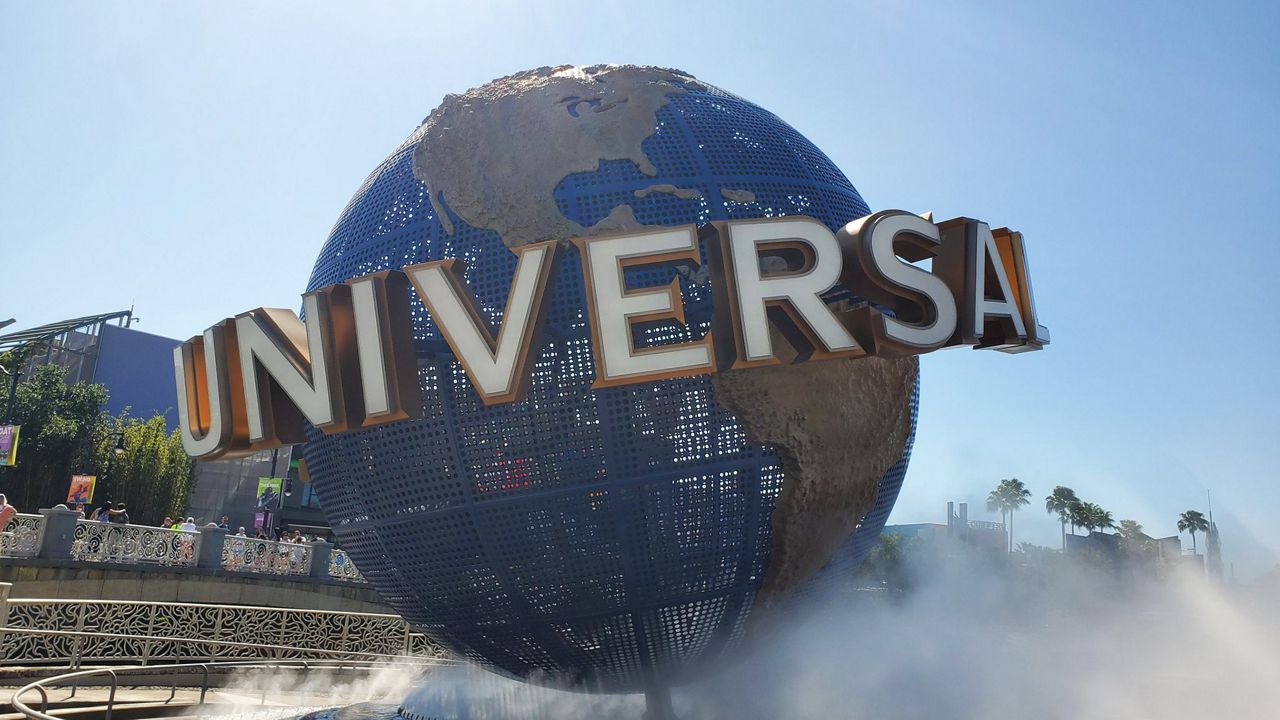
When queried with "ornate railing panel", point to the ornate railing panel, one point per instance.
{"points": [[242, 554], [424, 646], [109, 542], [341, 567], [268, 632], [21, 536]]}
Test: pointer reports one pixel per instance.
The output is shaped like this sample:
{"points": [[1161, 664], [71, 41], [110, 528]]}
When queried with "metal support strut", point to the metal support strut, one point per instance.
{"points": [[657, 703]]}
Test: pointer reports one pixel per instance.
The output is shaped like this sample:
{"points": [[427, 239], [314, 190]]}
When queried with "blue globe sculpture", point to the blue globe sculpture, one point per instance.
{"points": [[619, 538]]}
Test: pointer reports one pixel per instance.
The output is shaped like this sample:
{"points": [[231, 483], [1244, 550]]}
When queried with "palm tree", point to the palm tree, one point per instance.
{"points": [[1008, 497], [1059, 501], [995, 502], [1095, 518], [1086, 514], [1104, 519], [1077, 513], [1192, 521]]}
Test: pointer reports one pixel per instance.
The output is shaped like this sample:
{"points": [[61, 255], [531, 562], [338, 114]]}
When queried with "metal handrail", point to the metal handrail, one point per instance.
{"points": [[20, 537], [41, 686], [414, 659], [96, 541], [79, 601], [266, 557], [380, 634]]}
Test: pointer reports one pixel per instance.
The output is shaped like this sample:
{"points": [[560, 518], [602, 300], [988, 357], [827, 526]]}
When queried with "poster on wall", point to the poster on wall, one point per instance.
{"points": [[81, 491], [269, 493], [9, 445]]}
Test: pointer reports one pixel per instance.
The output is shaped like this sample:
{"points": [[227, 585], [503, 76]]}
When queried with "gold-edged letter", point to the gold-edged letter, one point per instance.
{"points": [[970, 264], [207, 372], [613, 310], [499, 368], [291, 370], [878, 251], [749, 299], [384, 345]]}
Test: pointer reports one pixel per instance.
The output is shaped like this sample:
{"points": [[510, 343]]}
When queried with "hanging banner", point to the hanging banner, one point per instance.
{"points": [[269, 493], [9, 445], [81, 491]]}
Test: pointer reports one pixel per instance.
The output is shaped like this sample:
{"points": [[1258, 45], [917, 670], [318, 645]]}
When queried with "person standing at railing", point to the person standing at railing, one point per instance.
{"points": [[282, 555], [296, 553], [236, 548], [119, 515], [188, 530], [7, 512]]}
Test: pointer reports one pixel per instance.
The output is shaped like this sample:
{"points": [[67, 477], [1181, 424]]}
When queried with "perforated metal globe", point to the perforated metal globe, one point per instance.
{"points": [[610, 538]]}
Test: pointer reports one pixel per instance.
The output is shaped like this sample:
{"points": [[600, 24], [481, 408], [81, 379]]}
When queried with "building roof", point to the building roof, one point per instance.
{"points": [[52, 330]]}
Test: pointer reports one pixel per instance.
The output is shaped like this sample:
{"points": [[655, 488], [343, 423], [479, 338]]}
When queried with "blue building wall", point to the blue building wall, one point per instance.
{"points": [[137, 369]]}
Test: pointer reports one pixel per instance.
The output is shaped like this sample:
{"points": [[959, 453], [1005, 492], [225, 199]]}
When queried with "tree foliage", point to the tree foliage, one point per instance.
{"points": [[61, 428], [65, 432], [1131, 530], [1036, 554], [1133, 541], [889, 562], [154, 476]]}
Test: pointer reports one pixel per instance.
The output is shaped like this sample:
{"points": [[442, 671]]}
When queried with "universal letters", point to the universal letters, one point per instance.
{"points": [[250, 382]]}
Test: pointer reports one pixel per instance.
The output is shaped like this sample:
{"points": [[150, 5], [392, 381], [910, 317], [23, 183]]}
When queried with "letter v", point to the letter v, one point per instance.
{"points": [[498, 369]]}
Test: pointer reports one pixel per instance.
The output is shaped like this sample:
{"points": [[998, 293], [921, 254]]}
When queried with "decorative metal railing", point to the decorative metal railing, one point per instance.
{"points": [[100, 542], [242, 554], [127, 631], [21, 536], [341, 567], [109, 542]]}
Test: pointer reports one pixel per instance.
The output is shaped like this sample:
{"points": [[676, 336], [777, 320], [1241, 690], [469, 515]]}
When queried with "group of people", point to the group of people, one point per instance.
{"points": [[188, 525], [239, 552], [243, 553], [117, 513], [109, 512]]}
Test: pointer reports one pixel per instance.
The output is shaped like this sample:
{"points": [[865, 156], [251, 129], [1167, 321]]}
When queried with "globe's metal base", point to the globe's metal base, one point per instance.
{"points": [[657, 701]]}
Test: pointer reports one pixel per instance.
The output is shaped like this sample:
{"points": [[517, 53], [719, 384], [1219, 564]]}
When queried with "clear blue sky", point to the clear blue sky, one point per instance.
{"points": [[191, 160]]}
